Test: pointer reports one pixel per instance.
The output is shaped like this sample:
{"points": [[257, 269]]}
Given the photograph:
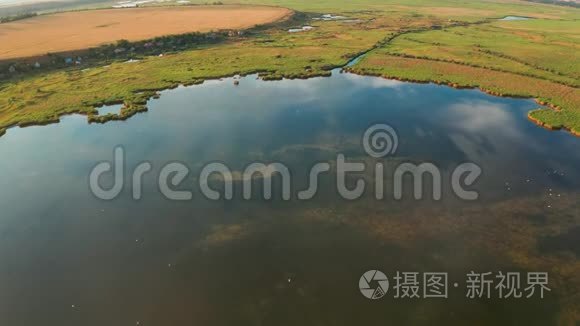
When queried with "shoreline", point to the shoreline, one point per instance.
{"points": [[487, 91], [135, 98]]}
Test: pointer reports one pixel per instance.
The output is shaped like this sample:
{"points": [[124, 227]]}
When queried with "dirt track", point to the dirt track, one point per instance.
{"points": [[85, 29]]}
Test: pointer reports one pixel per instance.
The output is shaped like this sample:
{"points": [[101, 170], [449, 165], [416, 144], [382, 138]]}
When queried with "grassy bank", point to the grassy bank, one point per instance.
{"points": [[535, 58], [274, 53], [412, 41], [565, 98]]}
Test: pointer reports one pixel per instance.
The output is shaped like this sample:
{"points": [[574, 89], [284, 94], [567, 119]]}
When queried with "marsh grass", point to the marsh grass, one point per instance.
{"points": [[536, 58], [272, 53]]}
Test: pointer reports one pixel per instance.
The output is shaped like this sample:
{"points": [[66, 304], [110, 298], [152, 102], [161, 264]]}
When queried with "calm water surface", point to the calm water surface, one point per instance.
{"points": [[67, 258]]}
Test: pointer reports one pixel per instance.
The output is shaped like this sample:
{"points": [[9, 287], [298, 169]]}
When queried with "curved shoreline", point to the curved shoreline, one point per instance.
{"points": [[545, 125], [131, 108], [487, 91], [136, 101]]}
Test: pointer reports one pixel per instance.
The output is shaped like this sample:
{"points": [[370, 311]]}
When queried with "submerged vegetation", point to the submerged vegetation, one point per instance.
{"points": [[459, 44]]}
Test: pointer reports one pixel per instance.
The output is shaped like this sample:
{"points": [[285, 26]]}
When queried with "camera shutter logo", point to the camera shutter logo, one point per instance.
{"points": [[373, 284]]}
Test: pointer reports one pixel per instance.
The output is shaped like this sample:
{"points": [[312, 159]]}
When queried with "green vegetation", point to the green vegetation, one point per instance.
{"points": [[122, 50], [538, 48], [563, 98], [456, 43], [274, 53], [445, 9], [536, 58], [17, 17], [570, 3], [449, 42]]}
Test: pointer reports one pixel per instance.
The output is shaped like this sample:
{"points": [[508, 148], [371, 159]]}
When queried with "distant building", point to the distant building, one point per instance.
{"points": [[12, 69], [302, 29], [37, 65], [125, 4]]}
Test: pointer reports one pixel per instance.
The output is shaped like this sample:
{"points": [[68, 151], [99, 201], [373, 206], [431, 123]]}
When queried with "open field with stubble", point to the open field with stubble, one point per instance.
{"points": [[71, 31]]}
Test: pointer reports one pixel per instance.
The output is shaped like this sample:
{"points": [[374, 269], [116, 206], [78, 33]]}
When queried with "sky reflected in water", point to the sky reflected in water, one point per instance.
{"points": [[159, 262]]}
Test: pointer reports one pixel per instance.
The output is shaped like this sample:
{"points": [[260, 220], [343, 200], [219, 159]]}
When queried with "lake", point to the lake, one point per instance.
{"points": [[69, 258]]}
